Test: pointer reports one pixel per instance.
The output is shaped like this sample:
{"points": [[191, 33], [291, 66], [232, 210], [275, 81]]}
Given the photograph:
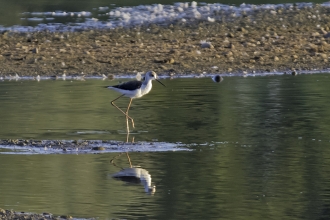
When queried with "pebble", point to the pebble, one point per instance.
{"points": [[35, 50], [98, 148]]}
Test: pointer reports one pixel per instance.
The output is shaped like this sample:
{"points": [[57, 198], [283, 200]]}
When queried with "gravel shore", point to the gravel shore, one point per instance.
{"points": [[263, 41]]}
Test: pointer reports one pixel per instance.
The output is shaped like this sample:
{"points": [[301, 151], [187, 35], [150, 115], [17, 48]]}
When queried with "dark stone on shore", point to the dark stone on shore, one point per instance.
{"points": [[66, 217], [217, 79], [98, 148]]}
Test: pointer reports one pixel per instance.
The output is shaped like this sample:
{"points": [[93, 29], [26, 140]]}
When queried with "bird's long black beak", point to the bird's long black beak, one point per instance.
{"points": [[160, 82]]}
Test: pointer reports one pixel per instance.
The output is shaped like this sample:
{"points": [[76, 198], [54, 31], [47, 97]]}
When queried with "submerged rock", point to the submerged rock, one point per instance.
{"points": [[10, 214], [82, 146]]}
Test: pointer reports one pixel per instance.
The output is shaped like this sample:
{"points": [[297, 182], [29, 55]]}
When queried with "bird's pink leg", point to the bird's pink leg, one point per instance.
{"points": [[127, 116]]}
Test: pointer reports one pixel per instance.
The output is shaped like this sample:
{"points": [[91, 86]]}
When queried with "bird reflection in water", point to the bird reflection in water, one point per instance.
{"points": [[135, 175]]}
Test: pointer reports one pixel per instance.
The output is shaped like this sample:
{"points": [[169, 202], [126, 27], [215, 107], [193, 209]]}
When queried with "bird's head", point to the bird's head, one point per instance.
{"points": [[151, 75]]}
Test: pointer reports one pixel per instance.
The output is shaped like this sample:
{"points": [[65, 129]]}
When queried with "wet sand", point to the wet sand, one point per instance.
{"points": [[263, 41]]}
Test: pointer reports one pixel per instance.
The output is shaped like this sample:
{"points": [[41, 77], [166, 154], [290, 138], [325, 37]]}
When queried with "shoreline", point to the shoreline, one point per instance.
{"points": [[160, 75], [265, 41]]}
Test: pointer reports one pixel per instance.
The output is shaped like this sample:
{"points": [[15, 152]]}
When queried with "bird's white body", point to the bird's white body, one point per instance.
{"points": [[137, 93], [136, 89]]}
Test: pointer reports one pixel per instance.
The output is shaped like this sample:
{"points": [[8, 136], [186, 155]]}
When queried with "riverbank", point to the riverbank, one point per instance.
{"points": [[261, 41]]}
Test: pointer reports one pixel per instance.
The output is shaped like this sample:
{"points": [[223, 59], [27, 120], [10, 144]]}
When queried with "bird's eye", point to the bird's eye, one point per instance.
{"points": [[152, 75]]}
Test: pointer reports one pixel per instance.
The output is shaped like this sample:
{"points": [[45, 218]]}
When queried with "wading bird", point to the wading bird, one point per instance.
{"points": [[134, 89]]}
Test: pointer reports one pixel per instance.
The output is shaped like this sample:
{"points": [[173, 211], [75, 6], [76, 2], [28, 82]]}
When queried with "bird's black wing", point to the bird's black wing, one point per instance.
{"points": [[131, 85]]}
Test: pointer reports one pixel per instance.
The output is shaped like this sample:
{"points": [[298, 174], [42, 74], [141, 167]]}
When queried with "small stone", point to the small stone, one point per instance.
{"points": [[315, 34], [163, 67], [172, 51], [21, 144], [217, 79], [229, 54], [31, 61], [231, 35], [313, 47], [205, 44], [324, 56], [98, 148], [170, 61], [231, 46], [242, 29], [35, 50]]}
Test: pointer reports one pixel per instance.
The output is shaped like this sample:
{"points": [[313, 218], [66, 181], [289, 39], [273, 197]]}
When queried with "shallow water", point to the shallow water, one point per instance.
{"points": [[260, 148]]}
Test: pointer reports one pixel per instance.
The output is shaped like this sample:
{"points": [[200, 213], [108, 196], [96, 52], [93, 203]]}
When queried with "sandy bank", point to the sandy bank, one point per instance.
{"points": [[262, 41]]}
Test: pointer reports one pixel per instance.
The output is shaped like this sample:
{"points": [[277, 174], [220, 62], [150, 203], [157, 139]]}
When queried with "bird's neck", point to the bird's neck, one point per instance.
{"points": [[146, 87], [146, 82]]}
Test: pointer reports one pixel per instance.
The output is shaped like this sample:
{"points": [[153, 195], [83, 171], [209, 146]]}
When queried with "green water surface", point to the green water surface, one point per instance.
{"points": [[260, 149]]}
